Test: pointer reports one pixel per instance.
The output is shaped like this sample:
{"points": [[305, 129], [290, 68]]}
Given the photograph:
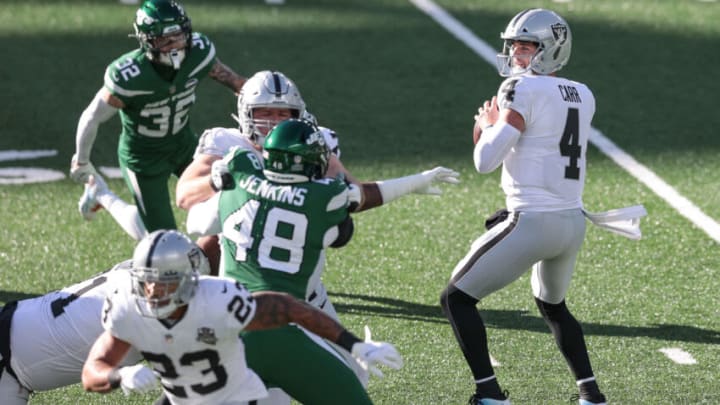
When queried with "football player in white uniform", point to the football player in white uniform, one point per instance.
{"points": [[44, 341], [186, 326], [537, 127]]}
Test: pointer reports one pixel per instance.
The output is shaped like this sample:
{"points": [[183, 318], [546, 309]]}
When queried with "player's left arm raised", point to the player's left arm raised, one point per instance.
{"points": [[227, 77]]}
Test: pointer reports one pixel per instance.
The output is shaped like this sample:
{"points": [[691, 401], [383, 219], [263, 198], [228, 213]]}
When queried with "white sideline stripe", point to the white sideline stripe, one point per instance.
{"points": [[678, 355], [684, 206], [457, 29], [7, 155]]}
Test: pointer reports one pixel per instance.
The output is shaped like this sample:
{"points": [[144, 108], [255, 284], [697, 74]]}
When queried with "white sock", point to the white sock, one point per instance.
{"points": [[126, 215]]}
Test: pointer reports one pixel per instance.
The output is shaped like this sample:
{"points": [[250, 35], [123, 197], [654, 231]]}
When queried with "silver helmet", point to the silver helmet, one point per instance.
{"points": [[270, 89], [171, 263], [543, 27]]}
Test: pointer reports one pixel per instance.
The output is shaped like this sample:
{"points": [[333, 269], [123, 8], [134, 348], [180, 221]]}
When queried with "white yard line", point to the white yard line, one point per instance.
{"points": [[646, 176], [9, 155], [678, 355]]}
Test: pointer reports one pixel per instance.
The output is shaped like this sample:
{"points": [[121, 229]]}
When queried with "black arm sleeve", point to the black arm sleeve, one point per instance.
{"points": [[345, 232]]}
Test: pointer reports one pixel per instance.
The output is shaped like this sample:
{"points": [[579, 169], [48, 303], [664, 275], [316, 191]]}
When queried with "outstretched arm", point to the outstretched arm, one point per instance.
{"points": [[274, 309], [376, 193], [382, 192]]}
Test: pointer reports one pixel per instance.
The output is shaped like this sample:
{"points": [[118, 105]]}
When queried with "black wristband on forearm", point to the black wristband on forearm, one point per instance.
{"points": [[347, 340], [114, 378]]}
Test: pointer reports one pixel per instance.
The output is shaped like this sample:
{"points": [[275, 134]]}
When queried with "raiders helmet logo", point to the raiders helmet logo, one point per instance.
{"points": [[559, 32]]}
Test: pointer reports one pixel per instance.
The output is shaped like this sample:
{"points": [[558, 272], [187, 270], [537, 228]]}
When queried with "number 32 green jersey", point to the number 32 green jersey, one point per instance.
{"points": [[156, 135], [274, 235]]}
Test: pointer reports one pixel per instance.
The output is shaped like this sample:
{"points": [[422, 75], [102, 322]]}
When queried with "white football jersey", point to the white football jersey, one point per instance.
{"points": [[200, 358], [51, 335], [219, 141], [545, 169]]}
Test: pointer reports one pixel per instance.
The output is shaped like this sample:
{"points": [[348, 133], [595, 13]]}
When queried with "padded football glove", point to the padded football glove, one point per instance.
{"points": [[137, 378], [220, 178], [80, 172], [370, 353]]}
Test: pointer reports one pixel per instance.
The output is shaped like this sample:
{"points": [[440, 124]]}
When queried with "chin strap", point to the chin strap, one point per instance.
{"points": [[176, 57]]}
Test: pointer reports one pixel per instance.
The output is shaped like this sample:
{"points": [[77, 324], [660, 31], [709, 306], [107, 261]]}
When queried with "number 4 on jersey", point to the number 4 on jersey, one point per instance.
{"points": [[570, 144]]}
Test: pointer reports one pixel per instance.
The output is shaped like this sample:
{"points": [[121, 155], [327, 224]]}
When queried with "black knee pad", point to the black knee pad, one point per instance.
{"points": [[553, 312]]}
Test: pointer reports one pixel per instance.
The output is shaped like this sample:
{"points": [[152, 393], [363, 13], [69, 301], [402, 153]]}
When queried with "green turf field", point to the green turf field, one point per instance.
{"points": [[401, 92]]}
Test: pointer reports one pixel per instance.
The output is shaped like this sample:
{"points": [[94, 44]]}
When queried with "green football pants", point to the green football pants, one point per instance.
{"points": [[289, 359]]}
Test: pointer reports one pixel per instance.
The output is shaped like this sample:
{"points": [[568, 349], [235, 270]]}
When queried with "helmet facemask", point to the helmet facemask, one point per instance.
{"points": [[506, 60], [175, 56], [165, 272], [158, 294]]}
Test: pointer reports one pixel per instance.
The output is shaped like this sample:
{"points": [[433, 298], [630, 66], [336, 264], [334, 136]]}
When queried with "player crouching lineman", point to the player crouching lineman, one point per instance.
{"points": [[186, 327]]}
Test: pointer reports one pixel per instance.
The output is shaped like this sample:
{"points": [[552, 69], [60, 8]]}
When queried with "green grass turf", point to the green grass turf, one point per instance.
{"points": [[401, 92]]}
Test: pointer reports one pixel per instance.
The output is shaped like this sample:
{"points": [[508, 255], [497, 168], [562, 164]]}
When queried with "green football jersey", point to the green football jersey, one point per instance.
{"points": [[274, 235], [156, 120]]}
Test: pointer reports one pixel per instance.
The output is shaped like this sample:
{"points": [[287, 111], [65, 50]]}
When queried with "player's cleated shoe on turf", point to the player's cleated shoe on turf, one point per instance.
{"points": [[88, 204], [588, 402], [475, 400], [596, 400]]}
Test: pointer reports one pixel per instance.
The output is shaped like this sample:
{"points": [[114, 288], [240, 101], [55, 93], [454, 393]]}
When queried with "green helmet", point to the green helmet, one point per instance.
{"points": [[160, 18], [295, 152]]}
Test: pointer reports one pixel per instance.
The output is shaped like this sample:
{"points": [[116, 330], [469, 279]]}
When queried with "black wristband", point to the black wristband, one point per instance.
{"points": [[114, 378], [347, 340]]}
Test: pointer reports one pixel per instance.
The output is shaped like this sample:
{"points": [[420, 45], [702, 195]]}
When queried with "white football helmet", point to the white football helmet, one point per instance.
{"points": [[172, 263], [269, 89], [548, 30]]}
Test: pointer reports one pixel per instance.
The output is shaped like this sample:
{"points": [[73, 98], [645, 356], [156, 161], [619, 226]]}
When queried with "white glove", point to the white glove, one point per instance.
{"points": [[79, 172], [137, 378], [370, 353], [437, 174], [421, 183], [220, 175]]}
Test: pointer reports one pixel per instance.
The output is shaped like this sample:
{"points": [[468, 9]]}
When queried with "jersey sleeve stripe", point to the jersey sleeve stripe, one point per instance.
{"points": [[339, 201], [114, 88], [209, 58]]}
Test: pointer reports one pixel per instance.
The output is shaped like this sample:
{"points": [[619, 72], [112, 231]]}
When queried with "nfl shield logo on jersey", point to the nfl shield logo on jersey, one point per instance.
{"points": [[206, 335]]}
